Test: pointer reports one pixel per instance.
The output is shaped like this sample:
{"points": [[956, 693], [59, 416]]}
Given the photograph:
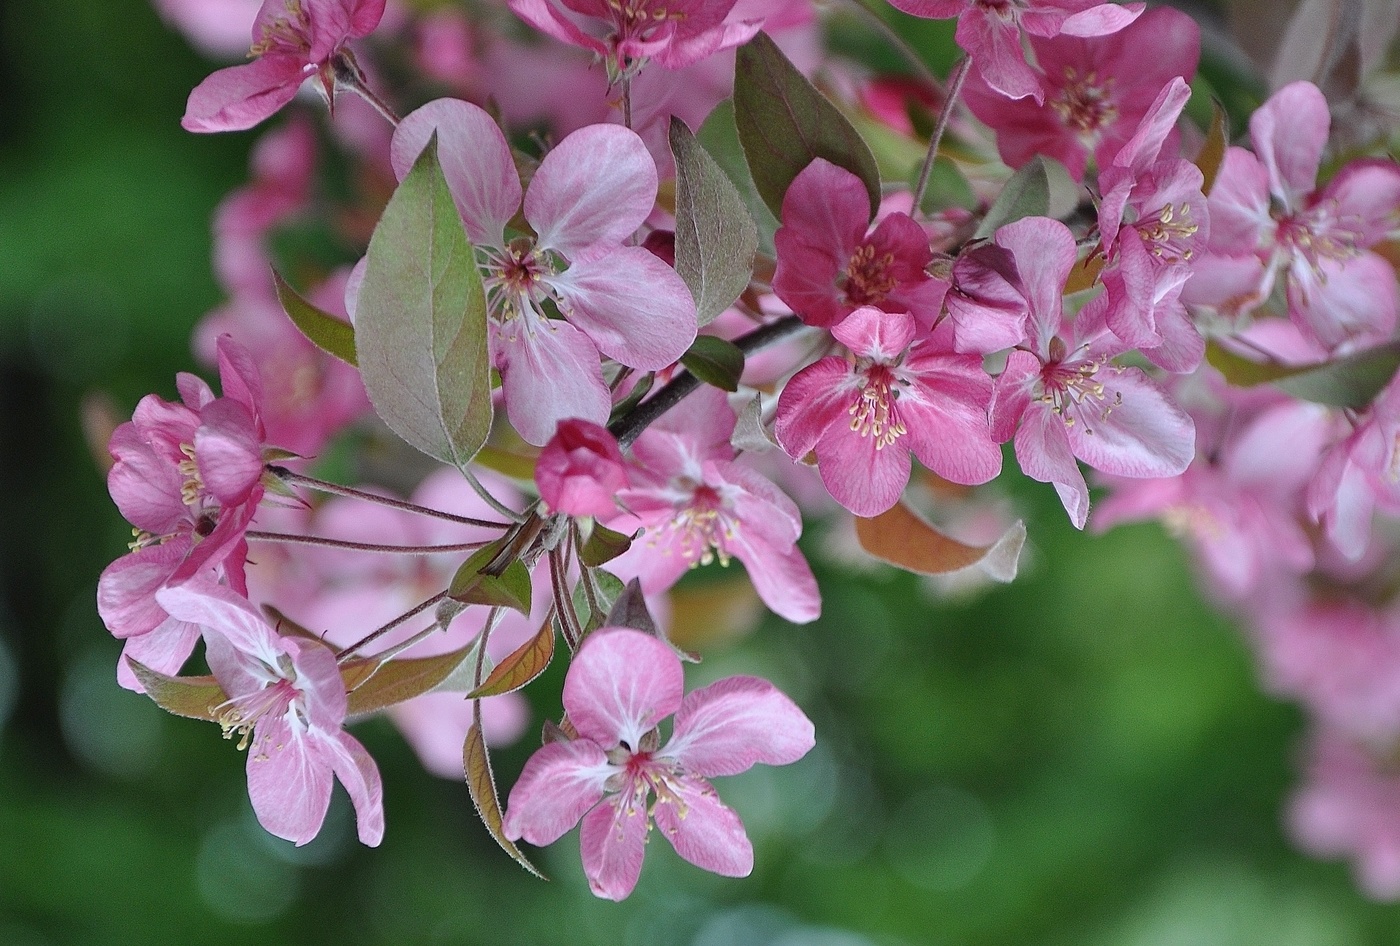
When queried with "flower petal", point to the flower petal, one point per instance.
{"points": [[620, 685], [728, 726], [613, 840], [289, 782], [703, 829], [596, 187], [560, 783], [242, 96]]}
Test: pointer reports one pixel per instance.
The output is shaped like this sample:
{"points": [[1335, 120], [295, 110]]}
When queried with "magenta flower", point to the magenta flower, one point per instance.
{"points": [[188, 476], [589, 194], [581, 469], [1065, 399], [865, 414], [293, 40], [1093, 92], [287, 702], [993, 31], [699, 505], [621, 685], [828, 265], [1269, 222]]}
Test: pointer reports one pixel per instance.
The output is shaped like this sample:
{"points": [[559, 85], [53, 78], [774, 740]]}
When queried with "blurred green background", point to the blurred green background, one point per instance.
{"points": [[1080, 758]]}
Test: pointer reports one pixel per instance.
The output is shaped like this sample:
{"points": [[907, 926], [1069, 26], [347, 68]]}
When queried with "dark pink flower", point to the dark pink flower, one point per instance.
{"points": [[828, 265], [621, 685], [581, 470], [1093, 92], [293, 40], [894, 394], [287, 701], [993, 32]]}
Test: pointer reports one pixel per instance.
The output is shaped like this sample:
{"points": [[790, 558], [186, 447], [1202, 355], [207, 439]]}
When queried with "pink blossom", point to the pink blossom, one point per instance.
{"points": [[589, 194], [1093, 91], [698, 504], [1065, 399], [620, 686], [581, 470], [1269, 222], [293, 40], [993, 32], [1360, 472], [219, 27], [188, 476], [894, 394], [287, 701], [828, 265]]}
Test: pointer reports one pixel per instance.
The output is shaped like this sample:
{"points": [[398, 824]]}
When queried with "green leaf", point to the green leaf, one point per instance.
{"points": [[1037, 190], [716, 239], [1353, 381], [420, 327], [332, 335], [515, 465], [373, 685], [609, 588], [1217, 142], [901, 538], [785, 124], [719, 136], [603, 545], [521, 666], [483, 580], [191, 697], [481, 784], [715, 361]]}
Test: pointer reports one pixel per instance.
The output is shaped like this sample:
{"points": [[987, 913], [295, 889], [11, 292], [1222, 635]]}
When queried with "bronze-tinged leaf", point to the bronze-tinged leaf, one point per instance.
{"points": [[397, 680], [1084, 274], [481, 784], [332, 335], [521, 666], [191, 697], [1217, 142], [901, 538]]}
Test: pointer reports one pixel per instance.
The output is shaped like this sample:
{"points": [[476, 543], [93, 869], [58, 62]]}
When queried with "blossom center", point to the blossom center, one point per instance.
{"points": [[242, 714], [1168, 234], [638, 19], [1319, 234], [872, 411], [867, 279], [286, 33], [1076, 395], [704, 527], [1085, 103]]}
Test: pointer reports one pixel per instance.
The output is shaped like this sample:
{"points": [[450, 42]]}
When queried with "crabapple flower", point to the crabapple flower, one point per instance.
{"points": [[287, 702], [992, 32], [1359, 473], [1064, 399], [188, 476], [894, 394], [1093, 92], [828, 265], [698, 504], [620, 686], [1268, 221], [588, 195], [581, 469], [293, 40]]}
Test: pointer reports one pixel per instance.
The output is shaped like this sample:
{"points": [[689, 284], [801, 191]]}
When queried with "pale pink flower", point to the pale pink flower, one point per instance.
{"points": [[581, 469], [1358, 474], [287, 701], [218, 27], [1064, 398], [588, 195], [698, 504], [620, 686], [828, 265], [1093, 92], [293, 40], [1268, 222], [188, 476], [993, 32], [894, 394]]}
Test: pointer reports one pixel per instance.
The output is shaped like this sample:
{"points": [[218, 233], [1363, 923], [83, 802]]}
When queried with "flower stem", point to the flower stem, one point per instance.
{"points": [[950, 101], [383, 629], [288, 476], [490, 500], [257, 536]]}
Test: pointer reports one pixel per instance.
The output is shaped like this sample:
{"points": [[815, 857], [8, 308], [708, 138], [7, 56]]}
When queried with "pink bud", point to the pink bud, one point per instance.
{"points": [[581, 469]]}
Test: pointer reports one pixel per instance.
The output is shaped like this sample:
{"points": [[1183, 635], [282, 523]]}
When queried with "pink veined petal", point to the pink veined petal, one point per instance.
{"points": [[866, 480], [932, 9], [646, 330], [476, 163], [1230, 283], [559, 784], [827, 207], [1045, 252], [1289, 132], [542, 15], [620, 685], [986, 302], [289, 783], [685, 51], [946, 414], [1101, 20], [356, 770], [873, 333], [702, 829], [364, 16], [549, 373], [228, 452], [613, 841], [805, 278], [728, 726], [995, 48], [596, 187], [126, 590], [222, 610], [1239, 204], [146, 488], [1146, 143], [1338, 301], [1144, 434], [317, 676], [763, 539], [164, 650], [813, 400], [694, 432], [1012, 394], [239, 378], [1360, 201], [1042, 449], [241, 96]]}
